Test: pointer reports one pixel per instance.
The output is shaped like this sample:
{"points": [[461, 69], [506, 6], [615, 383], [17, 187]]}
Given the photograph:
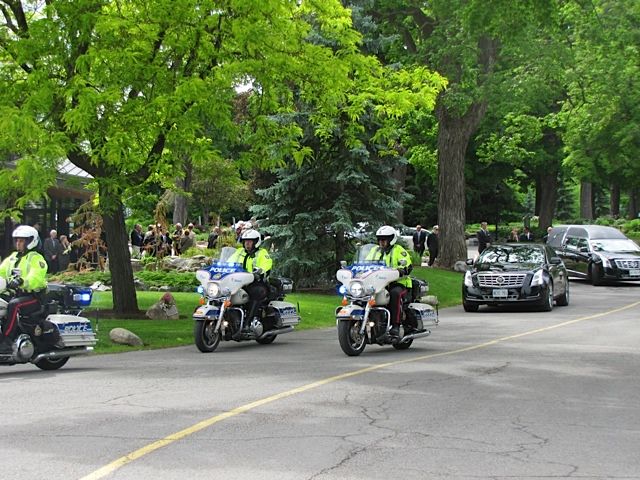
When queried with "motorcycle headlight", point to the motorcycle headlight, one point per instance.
{"points": [[356, 289], [468, 281], [537, 279], [213, 290]]}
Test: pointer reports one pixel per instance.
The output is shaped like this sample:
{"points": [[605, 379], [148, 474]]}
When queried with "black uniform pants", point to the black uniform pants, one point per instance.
{"points": [[23, 304]]}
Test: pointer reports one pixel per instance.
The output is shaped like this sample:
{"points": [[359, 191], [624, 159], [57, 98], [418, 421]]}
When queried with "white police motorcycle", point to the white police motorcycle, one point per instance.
{"points": [[224, 306], [49, 337], [364, 317]]}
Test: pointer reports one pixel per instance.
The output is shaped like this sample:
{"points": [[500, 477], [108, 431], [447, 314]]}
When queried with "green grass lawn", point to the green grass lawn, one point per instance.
{"points": [[316, 310]]}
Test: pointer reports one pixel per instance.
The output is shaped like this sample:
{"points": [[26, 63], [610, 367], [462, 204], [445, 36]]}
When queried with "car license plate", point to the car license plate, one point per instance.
{"points": [[500, 293], [634, 273]]}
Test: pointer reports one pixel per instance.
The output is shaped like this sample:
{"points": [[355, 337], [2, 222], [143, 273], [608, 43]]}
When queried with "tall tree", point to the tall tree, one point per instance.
{"points": [[123, 88], [464, 40], [602, 112]]}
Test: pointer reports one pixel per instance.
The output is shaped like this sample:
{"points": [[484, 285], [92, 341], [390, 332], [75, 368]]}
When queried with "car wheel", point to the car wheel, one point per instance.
{"points": [[563, 300], [470, 307], [596, 274], [546, 304]]}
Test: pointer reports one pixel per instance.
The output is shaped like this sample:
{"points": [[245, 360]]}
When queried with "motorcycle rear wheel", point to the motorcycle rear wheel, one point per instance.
{"points": [[351, 342], [51, 363], [205, 339]]}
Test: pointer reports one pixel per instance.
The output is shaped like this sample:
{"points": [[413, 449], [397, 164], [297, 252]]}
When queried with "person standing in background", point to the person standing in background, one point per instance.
{"points": [[51, 251], [484, 238], [419, 239], [433, 244]]}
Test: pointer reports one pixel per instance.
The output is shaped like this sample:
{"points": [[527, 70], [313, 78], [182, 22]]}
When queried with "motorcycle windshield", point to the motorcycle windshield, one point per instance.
{"points": [[227, 262], [368, 257]]}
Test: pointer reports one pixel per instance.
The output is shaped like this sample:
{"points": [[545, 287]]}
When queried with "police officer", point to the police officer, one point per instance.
{"points": [[253, 258], [392, 254], [25, 272]]}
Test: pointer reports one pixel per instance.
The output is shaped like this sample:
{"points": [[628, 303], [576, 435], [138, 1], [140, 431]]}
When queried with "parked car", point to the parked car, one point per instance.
{"points": [[511, 273], [596, 252]]}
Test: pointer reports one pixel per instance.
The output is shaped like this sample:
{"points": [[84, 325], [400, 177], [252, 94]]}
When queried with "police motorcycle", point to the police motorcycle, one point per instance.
{"points": [[364, 317], [224, 307], [49, 337]]}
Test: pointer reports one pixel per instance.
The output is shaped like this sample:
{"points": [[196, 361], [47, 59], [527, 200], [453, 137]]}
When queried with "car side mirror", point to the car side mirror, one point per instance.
{"points": [[469, 262], [555, 260]]}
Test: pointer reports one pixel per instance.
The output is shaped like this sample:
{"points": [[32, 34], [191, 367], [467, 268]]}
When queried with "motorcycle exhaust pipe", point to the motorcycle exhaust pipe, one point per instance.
{"points": [[57, 354], [278, 331], [406, 338]]}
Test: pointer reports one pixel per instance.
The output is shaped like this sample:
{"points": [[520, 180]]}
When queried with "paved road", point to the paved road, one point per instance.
{"points": [[498, 393]]}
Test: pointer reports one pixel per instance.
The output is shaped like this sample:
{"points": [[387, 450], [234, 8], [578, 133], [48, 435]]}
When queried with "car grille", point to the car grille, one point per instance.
{"points": [[501, 280], [628, 264]]}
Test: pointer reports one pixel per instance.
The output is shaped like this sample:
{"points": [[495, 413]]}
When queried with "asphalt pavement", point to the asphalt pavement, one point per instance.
{"points": [[502, 393]]}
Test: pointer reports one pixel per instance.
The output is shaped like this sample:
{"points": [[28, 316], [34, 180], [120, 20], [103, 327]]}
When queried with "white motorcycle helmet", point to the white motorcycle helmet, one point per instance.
{"points": [[387, 233], [30, 234], [251, 234]]}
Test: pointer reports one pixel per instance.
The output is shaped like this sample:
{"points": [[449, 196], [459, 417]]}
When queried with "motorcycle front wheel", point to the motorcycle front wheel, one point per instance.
{"points": [[351, 342], [206, 340], [51, 363]]}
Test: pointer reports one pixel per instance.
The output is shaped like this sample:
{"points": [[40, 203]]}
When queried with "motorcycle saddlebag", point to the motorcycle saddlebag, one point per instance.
{"points": [[285, 313], [425, 315]]}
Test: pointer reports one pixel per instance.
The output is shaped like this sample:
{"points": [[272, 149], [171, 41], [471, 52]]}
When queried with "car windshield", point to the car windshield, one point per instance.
{"points": [[510, 257], [614, 245]]}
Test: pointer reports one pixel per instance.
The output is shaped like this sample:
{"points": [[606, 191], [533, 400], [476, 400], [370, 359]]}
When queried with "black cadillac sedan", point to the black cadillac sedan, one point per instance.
{"points": [[512, 273], [597, 253]]}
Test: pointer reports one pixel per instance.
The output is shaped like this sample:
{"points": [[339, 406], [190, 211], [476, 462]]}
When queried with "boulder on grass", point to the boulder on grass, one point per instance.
{"points": [[122, 336], [164, 309]]}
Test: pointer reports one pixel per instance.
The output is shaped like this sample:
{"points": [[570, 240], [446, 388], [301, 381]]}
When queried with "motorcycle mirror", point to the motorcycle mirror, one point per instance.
{"points": [[343, 264]]}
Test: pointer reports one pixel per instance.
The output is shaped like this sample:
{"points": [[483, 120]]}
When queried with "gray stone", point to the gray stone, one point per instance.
{"points": [[460, 266], [122, 336], [164, 309]]}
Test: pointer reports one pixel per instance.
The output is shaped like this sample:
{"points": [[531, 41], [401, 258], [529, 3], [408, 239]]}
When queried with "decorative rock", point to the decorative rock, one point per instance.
{"points": [[164, 309], [122, 336], [430, 300], [460, 266]]}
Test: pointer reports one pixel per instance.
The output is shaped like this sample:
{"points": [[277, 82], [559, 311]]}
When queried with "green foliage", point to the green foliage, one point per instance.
{"points": [[177, 281]]}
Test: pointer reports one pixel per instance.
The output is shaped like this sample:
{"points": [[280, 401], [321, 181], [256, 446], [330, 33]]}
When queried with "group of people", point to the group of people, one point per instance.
{"points": [[431, 240], [58, 252], [484, 237], [157, 241]]}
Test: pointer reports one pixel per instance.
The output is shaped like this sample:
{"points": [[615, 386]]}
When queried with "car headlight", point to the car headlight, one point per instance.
{"points": [[605, 261], [213, 290], [356, 289], [537, 279], [468, 280]]}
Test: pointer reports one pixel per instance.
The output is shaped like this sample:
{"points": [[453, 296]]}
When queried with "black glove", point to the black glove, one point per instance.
{"points": [[14, 283]]}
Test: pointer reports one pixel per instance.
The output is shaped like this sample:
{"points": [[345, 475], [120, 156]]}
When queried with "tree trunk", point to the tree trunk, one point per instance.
{"points": [[614, 202], [123, 287], [633, 204], [586, 201], [181, 202], [546, 198], [453, 137], [400, 175]]}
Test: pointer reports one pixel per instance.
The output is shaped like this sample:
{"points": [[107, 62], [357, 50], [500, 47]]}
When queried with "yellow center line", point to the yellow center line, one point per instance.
{"points": [[174, 437]]}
